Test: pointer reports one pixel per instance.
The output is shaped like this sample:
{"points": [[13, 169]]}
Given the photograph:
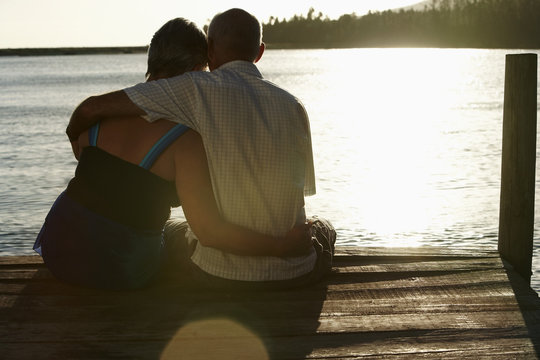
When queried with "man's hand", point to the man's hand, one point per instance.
{"points": [[97, 108], [298, 241], [82, 118]]}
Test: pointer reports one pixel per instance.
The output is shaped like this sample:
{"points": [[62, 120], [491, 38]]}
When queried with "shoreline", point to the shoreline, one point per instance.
{"points": [[271, 46], [74, 51]]}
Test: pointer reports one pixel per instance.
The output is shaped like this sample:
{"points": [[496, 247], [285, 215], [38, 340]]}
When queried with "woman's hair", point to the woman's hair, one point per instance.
{"points": [[177, 47]]}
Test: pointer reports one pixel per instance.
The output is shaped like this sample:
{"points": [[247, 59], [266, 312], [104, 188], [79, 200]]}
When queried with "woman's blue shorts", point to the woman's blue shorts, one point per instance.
{"points": [[84, 248]]}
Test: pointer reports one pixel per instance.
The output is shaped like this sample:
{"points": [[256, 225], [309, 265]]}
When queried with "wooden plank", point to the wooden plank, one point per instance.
{"points": [[354, 287], [350, 346], [286, 306], [429, 268], [423, 251], [411, 342], [342, 252], [20, 260], [38, 311], [107, 327]]}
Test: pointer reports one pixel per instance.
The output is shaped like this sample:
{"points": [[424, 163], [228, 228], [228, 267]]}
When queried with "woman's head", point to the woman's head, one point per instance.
{"points": [[177, 47]]}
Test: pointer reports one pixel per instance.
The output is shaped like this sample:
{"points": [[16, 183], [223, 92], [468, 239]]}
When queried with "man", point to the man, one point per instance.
{"points": [[258, 144]]}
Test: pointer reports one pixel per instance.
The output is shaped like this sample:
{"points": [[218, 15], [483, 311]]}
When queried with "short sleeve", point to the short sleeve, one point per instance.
{"points": [[309, 175], [171, 99]]}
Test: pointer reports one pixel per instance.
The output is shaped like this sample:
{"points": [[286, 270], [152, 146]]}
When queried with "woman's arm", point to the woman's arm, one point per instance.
{"points": [[195, 191]]}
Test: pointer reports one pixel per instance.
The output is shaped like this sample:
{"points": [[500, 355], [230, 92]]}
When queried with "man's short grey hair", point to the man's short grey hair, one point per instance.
{"points": [[177, 47], [237, 32]]}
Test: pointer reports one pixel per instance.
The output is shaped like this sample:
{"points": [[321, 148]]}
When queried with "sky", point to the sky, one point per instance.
{"points": [[87, 23]]}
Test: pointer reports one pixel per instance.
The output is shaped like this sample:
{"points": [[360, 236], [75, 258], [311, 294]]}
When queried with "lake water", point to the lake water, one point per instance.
{"points": [[407, 142]]}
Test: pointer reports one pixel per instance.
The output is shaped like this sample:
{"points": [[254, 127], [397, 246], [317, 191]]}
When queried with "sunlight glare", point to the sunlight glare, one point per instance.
{"points": [[217, 338], [396, 106]]}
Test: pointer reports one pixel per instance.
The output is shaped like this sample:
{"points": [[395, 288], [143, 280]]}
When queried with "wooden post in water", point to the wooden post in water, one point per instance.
{"points": [[516, 217]]}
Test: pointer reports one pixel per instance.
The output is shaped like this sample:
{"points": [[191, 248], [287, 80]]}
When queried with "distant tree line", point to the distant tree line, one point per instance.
{"points": [[443, 23], [73, 51]]}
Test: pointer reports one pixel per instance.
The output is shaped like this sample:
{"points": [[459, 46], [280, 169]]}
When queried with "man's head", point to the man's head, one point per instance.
{"points": [[234, 35], [177, 47]]}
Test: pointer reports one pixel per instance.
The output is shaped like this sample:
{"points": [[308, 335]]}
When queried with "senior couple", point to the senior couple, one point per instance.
{"points": [[229, 146]]}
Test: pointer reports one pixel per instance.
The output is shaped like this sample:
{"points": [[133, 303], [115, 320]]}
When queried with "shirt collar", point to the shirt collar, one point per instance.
{"points": [[241, 66]]}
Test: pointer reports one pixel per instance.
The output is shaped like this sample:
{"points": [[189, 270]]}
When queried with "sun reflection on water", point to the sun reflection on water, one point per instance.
{"points": [[407, 155]]}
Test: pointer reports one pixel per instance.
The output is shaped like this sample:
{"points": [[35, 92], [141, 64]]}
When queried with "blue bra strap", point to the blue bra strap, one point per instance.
{"points": [[161, 145], [93, 134]]}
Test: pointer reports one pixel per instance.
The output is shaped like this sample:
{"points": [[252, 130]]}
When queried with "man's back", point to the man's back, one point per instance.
{"points": [[257, 137]]}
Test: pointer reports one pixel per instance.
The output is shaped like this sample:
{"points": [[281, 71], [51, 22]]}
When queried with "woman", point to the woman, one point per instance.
{"points": [[106, 229]]}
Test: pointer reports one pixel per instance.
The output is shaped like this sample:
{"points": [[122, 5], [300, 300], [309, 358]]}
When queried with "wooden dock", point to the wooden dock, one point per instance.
{"points": [[414, 303]]}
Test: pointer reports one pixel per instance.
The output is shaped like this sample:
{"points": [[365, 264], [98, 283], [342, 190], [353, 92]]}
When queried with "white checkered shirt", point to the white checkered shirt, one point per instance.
{"points": [[258, 144]]}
